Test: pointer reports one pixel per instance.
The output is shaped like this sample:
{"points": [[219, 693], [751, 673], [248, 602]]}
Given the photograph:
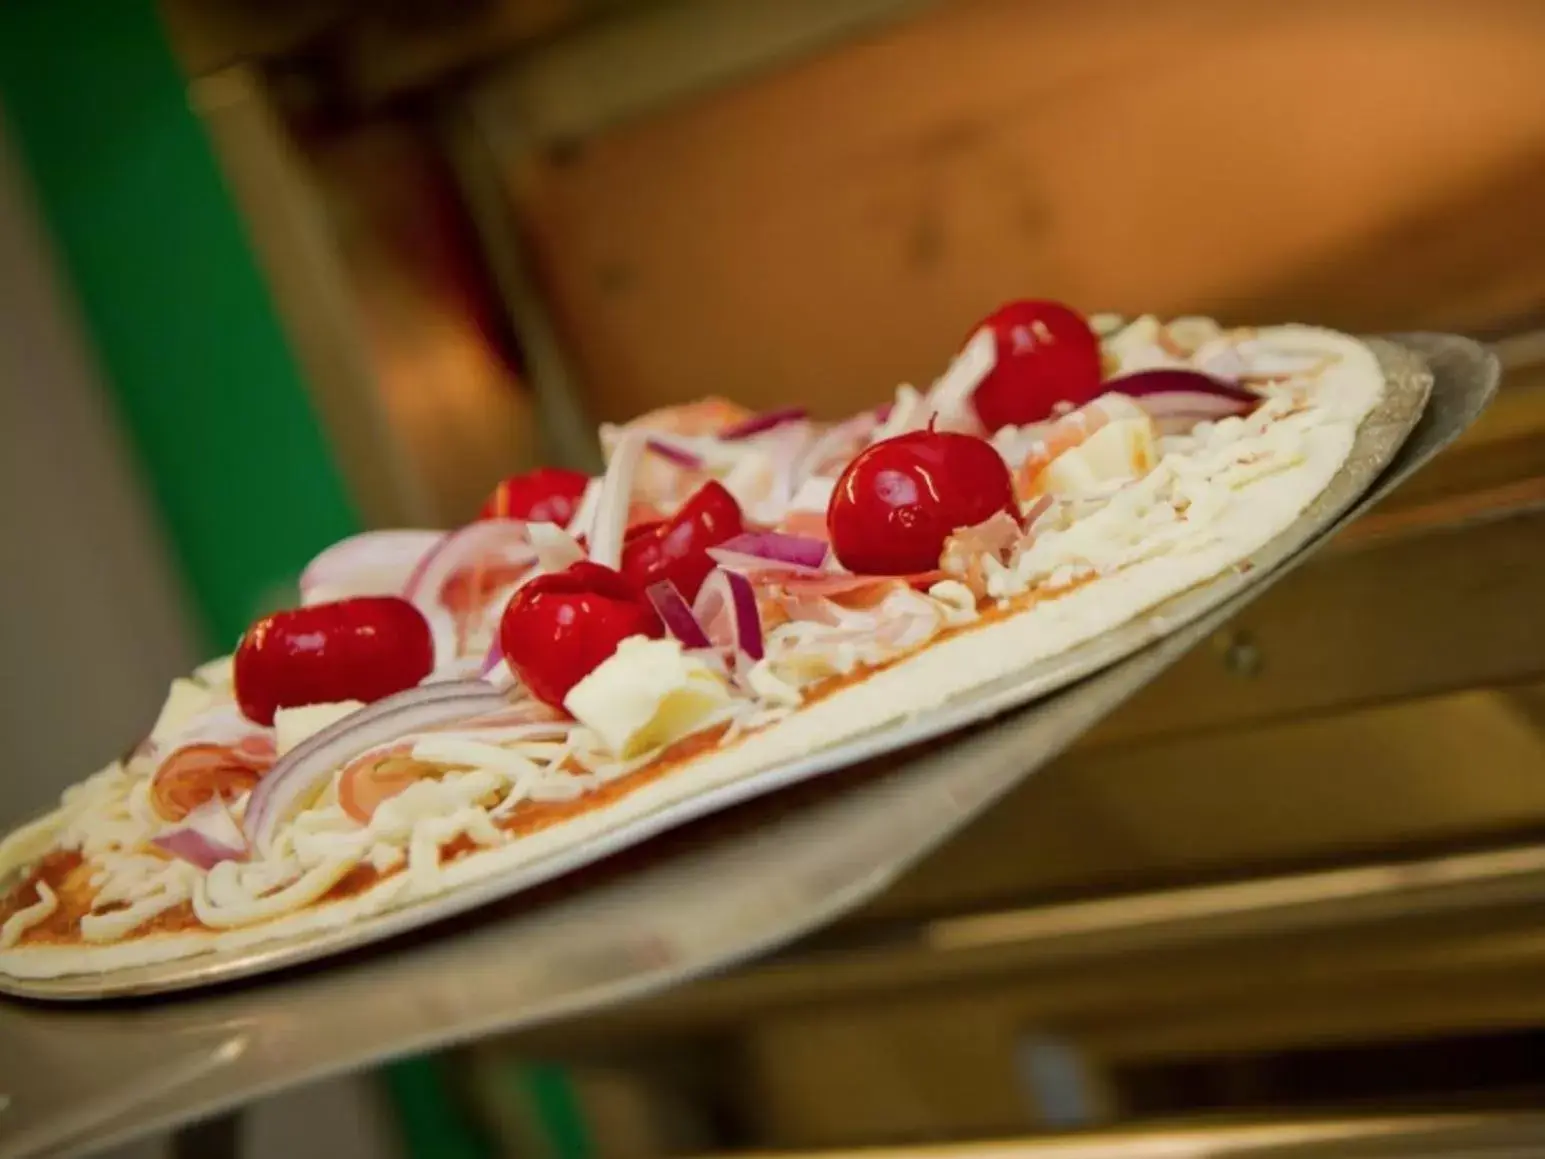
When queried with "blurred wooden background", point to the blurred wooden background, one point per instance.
{"points": [[711, 202]]}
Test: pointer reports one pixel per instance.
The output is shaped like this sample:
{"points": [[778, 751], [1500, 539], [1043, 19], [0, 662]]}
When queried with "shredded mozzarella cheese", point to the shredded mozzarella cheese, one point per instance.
{"points": [[25, 919]]}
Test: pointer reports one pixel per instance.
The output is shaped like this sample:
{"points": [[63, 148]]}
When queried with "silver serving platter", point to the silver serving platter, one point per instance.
{"points": [[74, 1078], [1379, 438]]}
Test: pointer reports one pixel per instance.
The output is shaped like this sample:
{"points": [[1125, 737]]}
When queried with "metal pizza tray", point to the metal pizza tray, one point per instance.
{"points": [[718, 892]]}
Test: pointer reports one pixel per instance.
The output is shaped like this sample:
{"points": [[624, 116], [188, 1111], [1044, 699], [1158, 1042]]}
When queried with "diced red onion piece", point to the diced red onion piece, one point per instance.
{"points": [[302, 772], [375, 563], [1178, 399], [611, 516], [681, 455], [207, 836], [801, 551], [1172, 380], [726, 608], [765, 421], [676, 614]]}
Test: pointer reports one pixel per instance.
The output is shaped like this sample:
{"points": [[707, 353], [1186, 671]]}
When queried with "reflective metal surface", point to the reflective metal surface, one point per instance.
{"points": [[1500, 1135], [713, 897]]}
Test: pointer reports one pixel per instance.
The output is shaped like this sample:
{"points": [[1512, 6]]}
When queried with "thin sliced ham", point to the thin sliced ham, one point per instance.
{"points": [[967, 550]]}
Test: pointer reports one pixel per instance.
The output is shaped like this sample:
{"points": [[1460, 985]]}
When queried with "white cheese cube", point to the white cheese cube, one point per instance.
{"points": [[293, 725], [647, 694]]}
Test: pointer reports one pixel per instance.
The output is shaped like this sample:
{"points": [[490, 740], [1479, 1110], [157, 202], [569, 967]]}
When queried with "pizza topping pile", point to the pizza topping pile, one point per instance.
{"points": [[442, 692]]}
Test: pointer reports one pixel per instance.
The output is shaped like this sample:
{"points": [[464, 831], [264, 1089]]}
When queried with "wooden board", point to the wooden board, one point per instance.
{"points": [[822, 233]]}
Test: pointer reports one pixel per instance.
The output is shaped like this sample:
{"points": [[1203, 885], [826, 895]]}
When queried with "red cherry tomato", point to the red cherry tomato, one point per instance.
{"points": [[1046, 354], [359, 649], [546, 495], [899, 500], [560, 626], [676, 549]]}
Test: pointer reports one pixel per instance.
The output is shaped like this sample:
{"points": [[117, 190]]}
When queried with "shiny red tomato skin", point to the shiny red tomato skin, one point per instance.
{"points": [[356, 649], [558, 627], [546, 495], [676, 549], [900, 499], [1046, 354]]}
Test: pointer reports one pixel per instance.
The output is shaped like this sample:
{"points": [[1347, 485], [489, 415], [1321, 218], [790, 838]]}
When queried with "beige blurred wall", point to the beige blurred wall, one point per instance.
{"points": [[92, 619]]}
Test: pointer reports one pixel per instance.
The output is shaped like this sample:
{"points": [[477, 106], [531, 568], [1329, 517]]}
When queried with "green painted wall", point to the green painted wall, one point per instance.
{"points": [[185, 335], [195, 362]]}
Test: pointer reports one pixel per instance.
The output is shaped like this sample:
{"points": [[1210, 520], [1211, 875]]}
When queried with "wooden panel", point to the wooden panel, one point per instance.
{"points": [[1413, 775], [942, 1064], [1417, 616], [821, 234]]}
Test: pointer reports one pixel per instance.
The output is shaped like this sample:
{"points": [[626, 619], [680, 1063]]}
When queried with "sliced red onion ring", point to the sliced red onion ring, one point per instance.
{"points": [[726, 609], [504, 541], [681, 455], [305, 769], [611, 516], [515, 713], [756, 565], [765, 421], [548, 730], [207, 836], [804, 552], [676, 614], [1177, 400], [376, 563]]}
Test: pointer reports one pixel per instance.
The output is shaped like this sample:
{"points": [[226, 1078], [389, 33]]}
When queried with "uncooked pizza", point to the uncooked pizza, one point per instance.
{"points": [[736, 591]]}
